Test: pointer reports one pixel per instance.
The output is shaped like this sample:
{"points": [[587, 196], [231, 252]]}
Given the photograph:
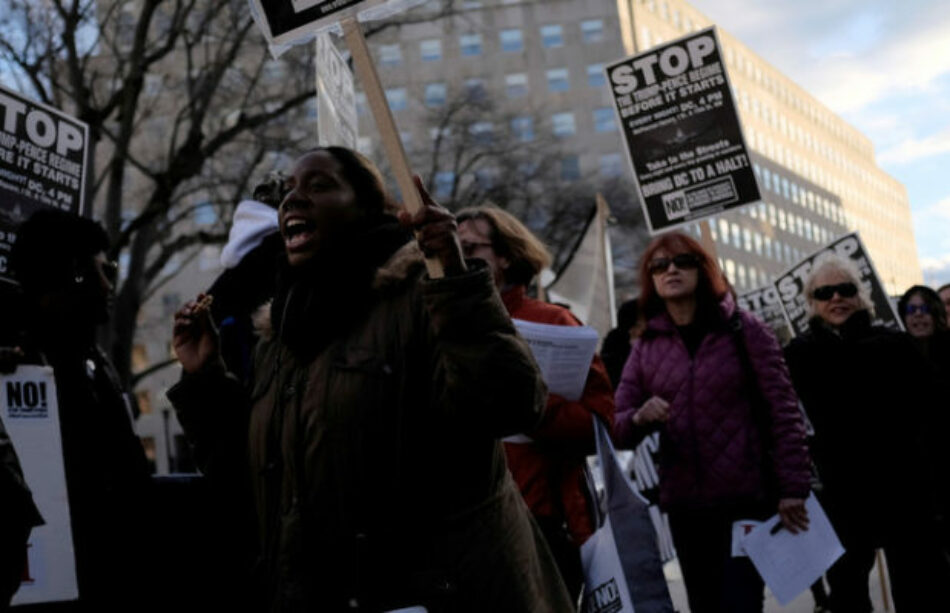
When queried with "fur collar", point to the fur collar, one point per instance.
{"points": [[398, 270]]}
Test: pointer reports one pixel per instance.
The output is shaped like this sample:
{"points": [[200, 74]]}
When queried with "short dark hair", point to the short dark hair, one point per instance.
{"points": [[48, 246], [363, 176]]}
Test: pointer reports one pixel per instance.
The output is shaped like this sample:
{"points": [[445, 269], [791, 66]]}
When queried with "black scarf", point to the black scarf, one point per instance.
{"points": [[322, 299]]}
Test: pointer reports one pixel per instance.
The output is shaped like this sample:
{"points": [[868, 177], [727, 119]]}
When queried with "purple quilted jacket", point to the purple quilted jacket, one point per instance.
{"points": [[711, 448]]}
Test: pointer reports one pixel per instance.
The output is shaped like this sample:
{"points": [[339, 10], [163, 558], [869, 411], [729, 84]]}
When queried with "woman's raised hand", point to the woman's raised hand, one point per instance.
{"points": [[654, 410], [194, 337], [436, 232]]}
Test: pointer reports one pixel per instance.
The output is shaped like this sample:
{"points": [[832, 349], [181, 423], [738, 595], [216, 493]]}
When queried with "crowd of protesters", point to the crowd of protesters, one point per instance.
{"points": [[392, 438]]}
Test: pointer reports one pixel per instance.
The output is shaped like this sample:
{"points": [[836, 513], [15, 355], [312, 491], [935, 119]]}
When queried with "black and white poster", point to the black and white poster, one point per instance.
{"points": [[765, 304], [43, 154], [682, 131], [791, 285], [287, 22]]}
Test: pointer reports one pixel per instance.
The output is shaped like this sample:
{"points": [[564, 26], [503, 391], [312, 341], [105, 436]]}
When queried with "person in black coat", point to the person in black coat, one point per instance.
{"points": [[863, 387], [249, 280], [67, 284]]}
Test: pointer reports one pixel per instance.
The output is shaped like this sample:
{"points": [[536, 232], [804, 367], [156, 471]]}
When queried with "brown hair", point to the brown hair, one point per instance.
{"points": [[710, 288], [511, 239]]}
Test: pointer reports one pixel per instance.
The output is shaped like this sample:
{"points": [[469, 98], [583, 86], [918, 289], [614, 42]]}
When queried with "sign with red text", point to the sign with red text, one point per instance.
{"points": [[43, 154], [30, 415], [682, 131]]}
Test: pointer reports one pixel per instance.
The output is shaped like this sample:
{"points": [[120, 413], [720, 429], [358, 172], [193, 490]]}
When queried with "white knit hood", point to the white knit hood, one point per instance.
{"points": [[252, 221]]}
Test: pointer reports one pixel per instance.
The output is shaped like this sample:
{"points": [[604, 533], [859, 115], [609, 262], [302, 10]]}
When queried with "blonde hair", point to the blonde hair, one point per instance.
{"points": [[848, 267], [511, 239]]}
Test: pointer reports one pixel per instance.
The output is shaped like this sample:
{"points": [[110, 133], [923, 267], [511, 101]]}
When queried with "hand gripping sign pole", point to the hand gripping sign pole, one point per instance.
{"points": [[363, 63]]}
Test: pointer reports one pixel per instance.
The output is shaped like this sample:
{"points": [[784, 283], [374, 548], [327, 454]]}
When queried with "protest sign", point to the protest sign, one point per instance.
{"points": [[684, 140], [336, 98], [765, 304], [287, 22], [30, 414], [42, 164], [791, 285]]}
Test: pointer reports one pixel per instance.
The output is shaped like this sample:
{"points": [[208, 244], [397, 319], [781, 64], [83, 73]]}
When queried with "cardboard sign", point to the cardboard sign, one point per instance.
{"points": [[684, 140], [30, 414], [765, 304], [287, 22], [337, 122], [43, 156], [791, 285]]}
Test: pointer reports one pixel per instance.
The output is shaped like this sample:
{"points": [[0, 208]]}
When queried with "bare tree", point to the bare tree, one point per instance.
{"points": [[481, 152]]}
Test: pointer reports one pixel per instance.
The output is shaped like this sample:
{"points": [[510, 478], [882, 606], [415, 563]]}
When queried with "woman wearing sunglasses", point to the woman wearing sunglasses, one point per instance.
{"points": [[712, 380], [864, 389]]}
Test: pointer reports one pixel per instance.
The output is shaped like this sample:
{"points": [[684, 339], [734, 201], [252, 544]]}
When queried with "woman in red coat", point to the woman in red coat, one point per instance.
{"points": [[547, 463]]}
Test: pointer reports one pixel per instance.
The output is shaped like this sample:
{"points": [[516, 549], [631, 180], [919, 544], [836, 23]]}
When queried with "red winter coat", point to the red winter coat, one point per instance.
{"points": [[711, 448], [549, 470]]}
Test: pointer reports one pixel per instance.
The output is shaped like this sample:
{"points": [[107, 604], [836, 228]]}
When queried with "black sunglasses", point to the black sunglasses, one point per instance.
{"points": [[827, 292], [910, 309], [683, 261]]}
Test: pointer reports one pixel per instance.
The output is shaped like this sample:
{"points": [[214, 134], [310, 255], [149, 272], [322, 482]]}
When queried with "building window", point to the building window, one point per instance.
{"points": [[592, 30], [406, 139], [562, 124], [516, 85], [205, 214], [523, 128], [757, 239], [511, 40], [558, 80], [611, 165], [724, 230], [736, 237], [570, 168], [444, 182], [430, 50], [552, 36], [595, 75], [604, 120], [475, 89], [470, 45], [390, 55], [747, 239], [435, 95], [361, 105], [397, 98], [481, 132], [740, 277]]}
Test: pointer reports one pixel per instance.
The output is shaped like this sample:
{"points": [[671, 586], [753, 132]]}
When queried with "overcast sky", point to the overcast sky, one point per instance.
{"points": [[884, 66]]}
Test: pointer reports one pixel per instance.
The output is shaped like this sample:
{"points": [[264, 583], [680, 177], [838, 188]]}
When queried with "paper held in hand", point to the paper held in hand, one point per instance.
{"points": [[790, 563], [563, 353]]}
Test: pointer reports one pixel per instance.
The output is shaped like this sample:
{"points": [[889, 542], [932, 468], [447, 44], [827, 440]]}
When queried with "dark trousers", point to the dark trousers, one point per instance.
{"points": [[715, 581], [567, 555], [918, 569]]}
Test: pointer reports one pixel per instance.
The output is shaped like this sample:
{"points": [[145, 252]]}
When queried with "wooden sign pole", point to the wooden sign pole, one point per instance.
{"points": [[392, 144]]}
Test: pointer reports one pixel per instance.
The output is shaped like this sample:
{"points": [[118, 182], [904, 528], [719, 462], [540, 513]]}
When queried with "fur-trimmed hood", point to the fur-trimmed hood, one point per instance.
{"points": [[398, 270]]}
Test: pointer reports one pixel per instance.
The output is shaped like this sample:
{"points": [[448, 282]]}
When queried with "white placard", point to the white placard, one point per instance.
{"points": [[563, 353], [337, 122], [31, 416]]}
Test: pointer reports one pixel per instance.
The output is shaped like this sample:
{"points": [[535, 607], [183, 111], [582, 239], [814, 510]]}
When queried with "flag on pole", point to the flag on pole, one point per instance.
{"points": [[586, 282]]}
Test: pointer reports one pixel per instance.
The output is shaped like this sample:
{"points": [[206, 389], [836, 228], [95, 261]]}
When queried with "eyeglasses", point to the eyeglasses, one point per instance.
{"points": [[469, 249], [910, 309], [827, 292], [683, 261]]}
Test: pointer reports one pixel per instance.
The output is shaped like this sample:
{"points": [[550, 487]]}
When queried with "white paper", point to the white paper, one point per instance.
{"points": [[740, 530], [790, 563], [31, 417], [563, 353]]}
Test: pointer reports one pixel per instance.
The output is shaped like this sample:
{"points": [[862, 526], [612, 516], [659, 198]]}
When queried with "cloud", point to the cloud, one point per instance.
{"points": [[913, 149], [936, 270]]}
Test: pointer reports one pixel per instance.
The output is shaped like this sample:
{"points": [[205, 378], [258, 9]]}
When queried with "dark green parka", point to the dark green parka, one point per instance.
{"points": [[375, 467]]}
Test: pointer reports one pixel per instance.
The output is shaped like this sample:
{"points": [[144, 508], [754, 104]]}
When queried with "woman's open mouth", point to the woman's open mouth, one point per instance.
{"points": [[297, 232]]}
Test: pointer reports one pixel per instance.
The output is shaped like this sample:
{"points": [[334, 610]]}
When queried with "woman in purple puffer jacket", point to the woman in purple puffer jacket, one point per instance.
{"points": [[712, 380]]}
